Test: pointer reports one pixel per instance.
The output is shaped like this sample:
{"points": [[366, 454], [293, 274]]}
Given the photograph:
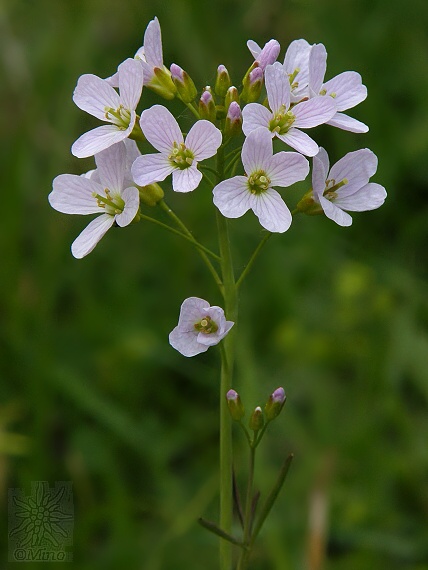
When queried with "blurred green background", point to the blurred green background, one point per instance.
{"points": [[92, 393]]}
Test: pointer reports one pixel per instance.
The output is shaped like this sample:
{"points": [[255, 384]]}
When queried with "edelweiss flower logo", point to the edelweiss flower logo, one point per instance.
{"points": [[41, 522]]}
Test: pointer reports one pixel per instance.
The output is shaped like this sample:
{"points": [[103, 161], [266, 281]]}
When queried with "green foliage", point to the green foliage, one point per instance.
{"points": [[91, 390]]}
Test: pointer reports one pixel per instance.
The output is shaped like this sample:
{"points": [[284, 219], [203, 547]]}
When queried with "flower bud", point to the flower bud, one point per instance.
{"points": [[252, 85], [207, 108], [256, 420], [309, 206], [231, 95], [150, 195], [233, 123], [235, 406], [275, 404], [269, 54], [161, 83], [183, 82], [222, 82]]}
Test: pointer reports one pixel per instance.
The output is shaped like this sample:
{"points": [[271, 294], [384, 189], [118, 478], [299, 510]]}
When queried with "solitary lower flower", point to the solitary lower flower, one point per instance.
{"points": [[95, 96], [106, 193], [282, 121], [346, 89], [235, 196], [345, 187], [199, 327], [175, 155]]}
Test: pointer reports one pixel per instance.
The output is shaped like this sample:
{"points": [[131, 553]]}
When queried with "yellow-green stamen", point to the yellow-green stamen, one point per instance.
{"points": [[113, 205], [258, 182], [120, 117], [206, 326], [330, 191], [181, 156], [281, 121]]}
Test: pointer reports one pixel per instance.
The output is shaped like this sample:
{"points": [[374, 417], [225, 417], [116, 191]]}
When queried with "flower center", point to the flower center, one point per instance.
{"points": [[281, 121], [258, 182], [113, 205], [331, 187], [206, 326], [181, 156], [120, 117]]}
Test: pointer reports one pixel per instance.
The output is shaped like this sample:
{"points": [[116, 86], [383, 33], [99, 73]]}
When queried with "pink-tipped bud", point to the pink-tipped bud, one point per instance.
{"points": [[269, 54], [235, 406], [275, 404], [207, 108], [222, 82], [256, 420], [184, 84], [252, 85], [233, 123], [231, 95]]}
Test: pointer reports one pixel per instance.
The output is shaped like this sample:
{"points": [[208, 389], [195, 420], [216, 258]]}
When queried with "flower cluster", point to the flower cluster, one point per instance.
{"points": [[246, 121]]}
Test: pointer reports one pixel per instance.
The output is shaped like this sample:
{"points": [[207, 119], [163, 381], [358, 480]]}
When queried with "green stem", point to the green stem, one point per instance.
{"points": [[252, 260], [186, 231], [227, 358], [184, 236], [243, 560]]}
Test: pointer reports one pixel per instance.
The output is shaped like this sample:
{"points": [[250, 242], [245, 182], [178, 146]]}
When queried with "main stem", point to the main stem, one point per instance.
{"points": [[227, 361]]}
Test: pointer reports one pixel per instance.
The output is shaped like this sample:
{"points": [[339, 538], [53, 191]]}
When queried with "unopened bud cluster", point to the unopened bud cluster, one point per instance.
{"points": [[258, 417]]}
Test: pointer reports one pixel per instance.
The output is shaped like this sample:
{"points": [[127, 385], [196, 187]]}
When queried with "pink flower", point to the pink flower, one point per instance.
{"points": [[95, 96], [237, 195], [285, 122], [176, 156], [199, 327], [346, 186]]}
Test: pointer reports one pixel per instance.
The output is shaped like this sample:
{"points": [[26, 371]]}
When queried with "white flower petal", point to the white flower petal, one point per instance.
{"points": [[257, 150], [272, 212], [72, 194], [342, 121], [186, 180], [348, 89], [357, 167], [153, 44], [317, 67], [297, 57], [369, 197], [319, 176], [191, 311], [268, 54], [323, 157], [254, 48], [300, 141], [255, 116], [111, 164], [286, 168], [130, 83], [186, 342], [277, 87], [93, 94], [314, 112], [232, 197], [203, 140], [150, 168], [113, 80], [98, 139], [160, 128], [91, 235], [334, 213], [131, 197]]}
